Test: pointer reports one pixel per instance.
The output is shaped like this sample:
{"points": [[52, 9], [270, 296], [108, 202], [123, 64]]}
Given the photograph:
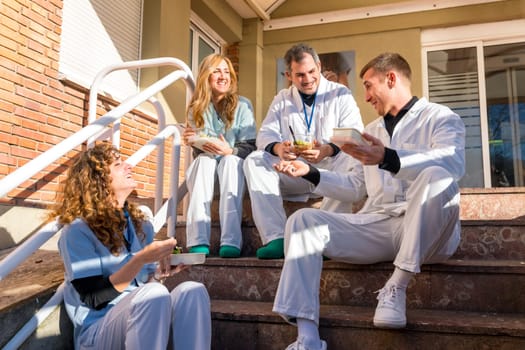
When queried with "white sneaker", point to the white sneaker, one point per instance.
{"points": [[391, 308], [298, 345]]}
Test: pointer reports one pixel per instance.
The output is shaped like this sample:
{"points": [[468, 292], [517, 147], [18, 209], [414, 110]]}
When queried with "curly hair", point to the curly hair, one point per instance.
{"points": [[202, 95], [86, 193]]}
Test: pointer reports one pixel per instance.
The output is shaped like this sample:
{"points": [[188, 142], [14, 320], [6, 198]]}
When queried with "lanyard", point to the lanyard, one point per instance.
{"points": [[129, 233], [129, 236], [306, 119]]}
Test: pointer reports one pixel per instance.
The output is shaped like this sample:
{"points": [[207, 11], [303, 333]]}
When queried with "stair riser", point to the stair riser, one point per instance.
{"points": [[274, 336], [484, 241], [475, 204], [491, 242], [493, 225], [493, 204], [437, 287]]}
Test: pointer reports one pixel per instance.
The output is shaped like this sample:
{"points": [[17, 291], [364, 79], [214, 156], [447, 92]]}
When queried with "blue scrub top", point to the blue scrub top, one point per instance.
{"points": [[84, 256], [243, 126]]}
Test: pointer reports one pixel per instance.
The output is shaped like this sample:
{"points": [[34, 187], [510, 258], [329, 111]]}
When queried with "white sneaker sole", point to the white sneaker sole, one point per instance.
{"points": [[389, 324]]}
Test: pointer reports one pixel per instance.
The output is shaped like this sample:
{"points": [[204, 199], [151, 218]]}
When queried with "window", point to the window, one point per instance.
{"points": [[203, 42], [480, 74], [97, 33]]}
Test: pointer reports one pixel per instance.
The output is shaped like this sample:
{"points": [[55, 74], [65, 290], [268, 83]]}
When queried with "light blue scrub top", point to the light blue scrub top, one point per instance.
{"points": [[243, 126], [85, 256]]}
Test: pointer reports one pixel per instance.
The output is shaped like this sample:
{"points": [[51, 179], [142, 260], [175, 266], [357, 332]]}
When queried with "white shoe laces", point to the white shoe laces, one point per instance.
{"points": [[387, 296]]}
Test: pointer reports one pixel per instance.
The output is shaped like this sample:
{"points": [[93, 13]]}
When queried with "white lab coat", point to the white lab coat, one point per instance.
{"points": [[334, 107], [410, 218], [428, 135]]}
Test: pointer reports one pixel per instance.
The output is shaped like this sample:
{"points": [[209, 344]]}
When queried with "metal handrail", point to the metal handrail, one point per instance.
{"points": [[152, 62], [166, 213], [25, 172], [28, 329], [169, 214], [11, 261]]}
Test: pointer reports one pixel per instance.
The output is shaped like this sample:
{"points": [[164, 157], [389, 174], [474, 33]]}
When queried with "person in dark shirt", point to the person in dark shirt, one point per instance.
{"points": [[112, 292], [311, 106], [409, 165]]}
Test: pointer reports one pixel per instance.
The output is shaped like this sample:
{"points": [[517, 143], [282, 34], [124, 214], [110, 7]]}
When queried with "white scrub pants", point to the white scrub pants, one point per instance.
{"points": [[268, 188], [427, 233], [144, 318], [200, 178]]}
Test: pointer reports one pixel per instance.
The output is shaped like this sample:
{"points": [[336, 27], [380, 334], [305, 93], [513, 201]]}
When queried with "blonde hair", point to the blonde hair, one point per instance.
{"points": [[203, 94], [86, 193]]}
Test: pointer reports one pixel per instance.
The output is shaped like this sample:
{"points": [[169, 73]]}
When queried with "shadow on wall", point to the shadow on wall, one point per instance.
{"points": [[18, 223]]}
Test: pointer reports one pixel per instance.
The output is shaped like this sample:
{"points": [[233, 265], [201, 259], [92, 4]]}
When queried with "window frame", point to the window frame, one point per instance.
{"points": [[77, 63], [478, 36], [200, 30]]}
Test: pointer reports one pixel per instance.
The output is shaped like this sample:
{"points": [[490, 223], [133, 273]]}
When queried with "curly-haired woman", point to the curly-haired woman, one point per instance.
{"points": [[111, 293], [216, 110]]}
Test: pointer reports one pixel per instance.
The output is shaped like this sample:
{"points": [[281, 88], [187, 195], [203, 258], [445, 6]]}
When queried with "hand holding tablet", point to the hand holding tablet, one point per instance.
{"points": [[347, 135]]}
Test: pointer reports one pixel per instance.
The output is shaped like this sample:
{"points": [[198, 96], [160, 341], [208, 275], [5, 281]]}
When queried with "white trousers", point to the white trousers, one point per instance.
{"points": [[200, 178], [427, 233], [143, 320], [268, 188]]}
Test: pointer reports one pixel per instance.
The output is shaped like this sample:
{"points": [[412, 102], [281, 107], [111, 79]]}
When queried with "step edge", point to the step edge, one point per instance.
{"points": [[361, 317], [496, 266]]}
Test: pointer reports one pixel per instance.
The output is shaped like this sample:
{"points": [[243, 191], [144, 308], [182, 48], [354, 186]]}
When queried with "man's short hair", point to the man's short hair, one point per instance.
{"points": [[296, 54], [386, 62]]}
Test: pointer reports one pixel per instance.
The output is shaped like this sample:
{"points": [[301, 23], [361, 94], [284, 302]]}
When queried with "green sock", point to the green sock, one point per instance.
{"points": [[202, 248], [228, 251], [273, 250]]}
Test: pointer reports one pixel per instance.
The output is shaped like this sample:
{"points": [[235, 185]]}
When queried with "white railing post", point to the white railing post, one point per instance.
{"points": [[94, 129], [35, 321]]}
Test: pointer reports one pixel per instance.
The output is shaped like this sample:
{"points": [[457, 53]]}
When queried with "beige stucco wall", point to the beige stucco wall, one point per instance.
{"points": [[166, 33], [369, 37], [406, 42]]}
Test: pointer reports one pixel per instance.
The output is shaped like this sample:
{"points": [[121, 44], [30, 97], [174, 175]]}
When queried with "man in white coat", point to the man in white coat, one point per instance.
{"points": [[312, 106], [409, 166]]}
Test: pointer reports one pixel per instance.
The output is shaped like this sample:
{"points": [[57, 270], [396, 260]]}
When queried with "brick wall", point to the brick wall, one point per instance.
{"points": [[37, 110], [232, 52]]}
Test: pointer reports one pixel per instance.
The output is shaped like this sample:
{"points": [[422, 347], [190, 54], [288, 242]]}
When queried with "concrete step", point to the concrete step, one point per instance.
{"points": [[493, 225], [488, 240], [248, 325], [505, 203], [255, 327], [461, 291], [485, 280], [492, 240], [458, 285]]}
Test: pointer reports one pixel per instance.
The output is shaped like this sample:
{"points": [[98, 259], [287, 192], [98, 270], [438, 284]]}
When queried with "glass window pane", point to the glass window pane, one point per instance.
{"points": [[453, 81], [204, 49], [191, 46], [505, 84]]}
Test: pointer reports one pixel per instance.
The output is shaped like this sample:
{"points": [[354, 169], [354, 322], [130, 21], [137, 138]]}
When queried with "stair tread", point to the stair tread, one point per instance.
{"points": [[499, 266], [42, 271], [23, 282], [361, 317]]}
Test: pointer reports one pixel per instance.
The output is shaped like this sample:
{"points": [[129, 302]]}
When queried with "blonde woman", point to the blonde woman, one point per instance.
{"points": [[221, 129]]}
